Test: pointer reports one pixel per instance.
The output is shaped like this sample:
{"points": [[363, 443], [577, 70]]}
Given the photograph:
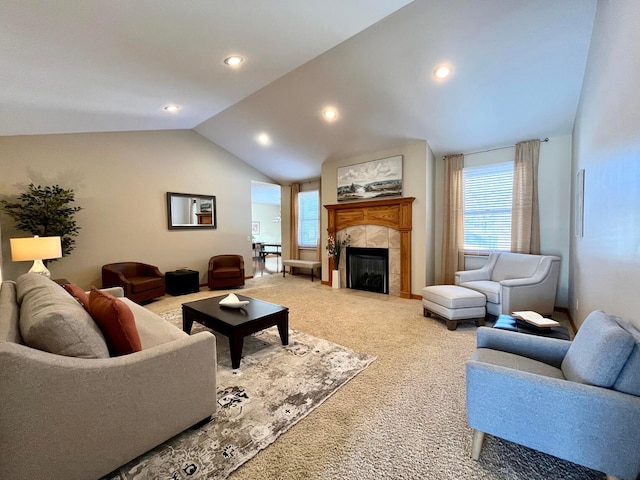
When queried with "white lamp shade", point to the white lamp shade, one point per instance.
{"points": [[35, 248]]}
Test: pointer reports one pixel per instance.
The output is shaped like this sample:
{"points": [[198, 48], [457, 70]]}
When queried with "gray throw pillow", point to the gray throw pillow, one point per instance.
{"points": [[53, 321], [598, 352]]}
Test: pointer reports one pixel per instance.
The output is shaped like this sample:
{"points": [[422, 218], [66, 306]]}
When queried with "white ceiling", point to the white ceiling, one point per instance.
{"points": [[94, 65]]}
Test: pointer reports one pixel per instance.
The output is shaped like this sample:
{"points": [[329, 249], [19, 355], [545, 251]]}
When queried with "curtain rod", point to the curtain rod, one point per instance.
{"points": [[303, 183], [498, 148]]}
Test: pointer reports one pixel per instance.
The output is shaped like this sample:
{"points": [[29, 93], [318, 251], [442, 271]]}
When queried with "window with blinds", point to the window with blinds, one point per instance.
{"points": [[308, 219], [487, 201]]}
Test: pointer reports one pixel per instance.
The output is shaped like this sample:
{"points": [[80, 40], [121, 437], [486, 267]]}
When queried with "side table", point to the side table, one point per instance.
{"points": [[181, 282]]}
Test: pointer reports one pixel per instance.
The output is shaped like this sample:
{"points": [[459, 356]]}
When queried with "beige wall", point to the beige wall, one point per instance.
{"points": [[418, 181], [120, 180], [554, 180], [605, 262]]}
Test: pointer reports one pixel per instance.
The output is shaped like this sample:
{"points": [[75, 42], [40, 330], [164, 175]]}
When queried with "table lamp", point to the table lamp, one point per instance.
{"points": [[36, 249]]}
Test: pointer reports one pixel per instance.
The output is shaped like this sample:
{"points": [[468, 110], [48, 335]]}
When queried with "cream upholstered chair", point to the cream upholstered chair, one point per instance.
{"points": [[515, 281]]}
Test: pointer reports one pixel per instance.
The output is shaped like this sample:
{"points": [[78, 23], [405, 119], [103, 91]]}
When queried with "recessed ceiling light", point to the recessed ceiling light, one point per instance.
{"points": [[263, 139], [233, 61], [330, 114], [172, 108], [442, 71]]}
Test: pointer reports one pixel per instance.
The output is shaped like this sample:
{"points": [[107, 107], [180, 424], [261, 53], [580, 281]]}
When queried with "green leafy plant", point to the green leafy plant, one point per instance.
{"points": [[46, 211]]}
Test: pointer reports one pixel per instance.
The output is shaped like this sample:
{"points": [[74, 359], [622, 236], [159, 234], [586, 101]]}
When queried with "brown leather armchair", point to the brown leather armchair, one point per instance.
{"points": [[141, 282], [226, 271]]}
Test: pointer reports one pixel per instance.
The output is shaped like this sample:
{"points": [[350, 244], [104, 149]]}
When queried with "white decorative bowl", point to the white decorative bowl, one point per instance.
{"points": [[232, 301]]}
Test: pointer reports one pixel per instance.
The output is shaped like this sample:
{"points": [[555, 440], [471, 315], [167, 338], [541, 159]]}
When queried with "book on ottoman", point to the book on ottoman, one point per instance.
{"points": [[535, 319]]}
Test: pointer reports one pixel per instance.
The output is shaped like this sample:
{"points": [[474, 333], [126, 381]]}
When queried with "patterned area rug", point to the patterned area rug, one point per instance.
{"points": [[274, 388]]}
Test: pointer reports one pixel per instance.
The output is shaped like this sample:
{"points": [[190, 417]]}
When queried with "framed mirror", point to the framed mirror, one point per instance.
{"points": [[187, 210]]}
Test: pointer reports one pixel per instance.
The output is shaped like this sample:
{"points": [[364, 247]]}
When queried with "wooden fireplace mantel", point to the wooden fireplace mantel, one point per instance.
{"points": [[392, 212]]}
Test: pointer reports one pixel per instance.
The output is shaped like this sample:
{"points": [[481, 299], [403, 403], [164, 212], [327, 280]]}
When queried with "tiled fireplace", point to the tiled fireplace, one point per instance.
{"points": [[377, 224]]}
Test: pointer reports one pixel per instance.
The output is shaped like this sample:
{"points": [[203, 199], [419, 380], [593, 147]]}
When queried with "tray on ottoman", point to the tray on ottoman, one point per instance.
{"points": [[507, 322]]}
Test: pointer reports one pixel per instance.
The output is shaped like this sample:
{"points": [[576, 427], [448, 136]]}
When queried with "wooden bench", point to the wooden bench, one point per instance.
{"points": [[300, 264]]}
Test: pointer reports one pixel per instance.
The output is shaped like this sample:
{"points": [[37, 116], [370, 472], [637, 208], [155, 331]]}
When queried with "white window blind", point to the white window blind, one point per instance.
{"points": [[487, 200], [309, 218]]}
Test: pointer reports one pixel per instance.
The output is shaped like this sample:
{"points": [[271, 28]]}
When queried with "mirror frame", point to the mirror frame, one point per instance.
{"points": [[180, 226]]}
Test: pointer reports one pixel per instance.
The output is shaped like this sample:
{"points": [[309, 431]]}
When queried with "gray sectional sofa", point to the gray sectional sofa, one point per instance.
{"points": [[69, 410]]}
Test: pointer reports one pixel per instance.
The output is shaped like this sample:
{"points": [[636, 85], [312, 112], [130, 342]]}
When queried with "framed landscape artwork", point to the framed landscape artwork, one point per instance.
{"points": [[371, 180]]}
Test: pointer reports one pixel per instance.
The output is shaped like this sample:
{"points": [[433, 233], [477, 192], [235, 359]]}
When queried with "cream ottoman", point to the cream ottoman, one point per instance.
{"points": [[454, 304]]}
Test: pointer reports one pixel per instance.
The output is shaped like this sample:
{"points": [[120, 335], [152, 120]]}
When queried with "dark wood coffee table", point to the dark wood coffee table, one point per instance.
{"points": [[236, 323]]}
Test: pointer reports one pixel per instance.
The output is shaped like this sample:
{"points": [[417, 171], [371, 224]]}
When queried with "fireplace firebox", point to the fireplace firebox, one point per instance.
{"points": [[368, 269]]}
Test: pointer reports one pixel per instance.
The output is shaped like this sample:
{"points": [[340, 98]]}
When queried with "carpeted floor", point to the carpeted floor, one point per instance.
{"points": [[404, 416], [274, 388]]}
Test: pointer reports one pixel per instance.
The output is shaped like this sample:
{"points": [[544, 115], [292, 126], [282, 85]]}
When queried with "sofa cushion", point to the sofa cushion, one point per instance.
{"points": [[152, 329], [79, 294], [143, 284], [488, 288], [116, 321], [9, 314], [598, 352], [516, 362], [227, 272], [53, 321]]}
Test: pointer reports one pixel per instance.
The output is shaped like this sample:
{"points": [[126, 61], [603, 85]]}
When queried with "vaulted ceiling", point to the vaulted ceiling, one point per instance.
{"points": [[94, 65]]}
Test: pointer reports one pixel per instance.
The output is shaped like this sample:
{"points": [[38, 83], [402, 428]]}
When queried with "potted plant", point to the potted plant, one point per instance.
{"points": [[334, 250], [46, 212]]}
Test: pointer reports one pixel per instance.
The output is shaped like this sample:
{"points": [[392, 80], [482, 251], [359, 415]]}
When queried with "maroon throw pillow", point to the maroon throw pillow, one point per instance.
{"points": [[116, 321], [78, 293]]}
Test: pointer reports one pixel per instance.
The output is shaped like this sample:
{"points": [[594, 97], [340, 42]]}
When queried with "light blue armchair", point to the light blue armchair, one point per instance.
{"points": [[579, 401]]}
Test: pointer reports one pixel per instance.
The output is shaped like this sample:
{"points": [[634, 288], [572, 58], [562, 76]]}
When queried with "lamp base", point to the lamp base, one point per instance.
{"points": [[39, 268]]}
